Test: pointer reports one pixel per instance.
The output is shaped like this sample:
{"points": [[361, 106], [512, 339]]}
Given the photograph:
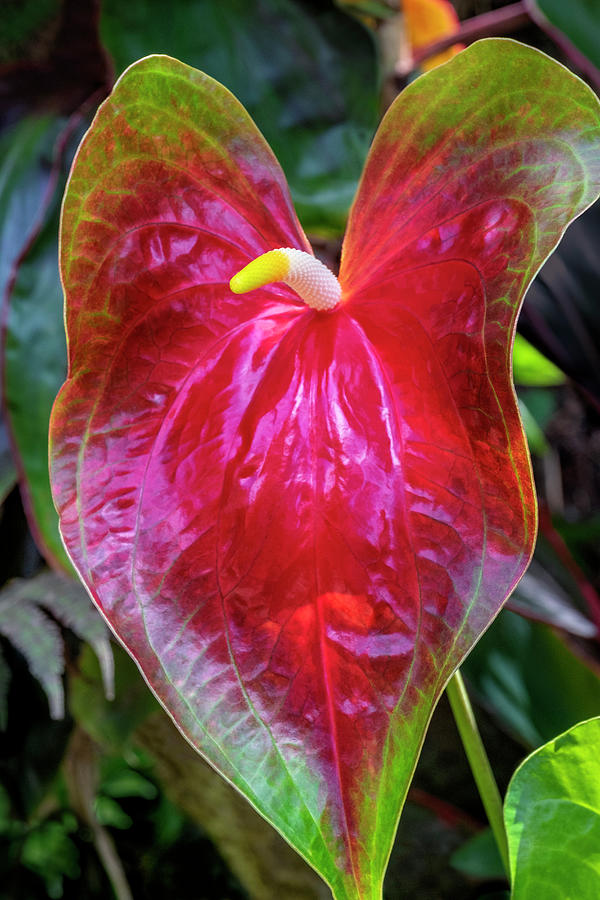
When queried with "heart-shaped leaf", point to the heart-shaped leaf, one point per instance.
{"points": [[552, 815], [298, 523]]}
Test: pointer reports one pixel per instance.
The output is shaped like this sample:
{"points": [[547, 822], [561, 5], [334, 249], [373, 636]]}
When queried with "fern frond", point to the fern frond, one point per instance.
{"points": [[24, 621]]}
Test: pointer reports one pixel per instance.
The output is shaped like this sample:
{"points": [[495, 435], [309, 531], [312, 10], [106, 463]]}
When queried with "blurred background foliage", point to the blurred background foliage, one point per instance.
{"points": [[99, 794]]}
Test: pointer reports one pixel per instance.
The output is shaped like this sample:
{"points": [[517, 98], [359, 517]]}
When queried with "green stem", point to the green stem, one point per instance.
{"points": [[480, 764]]}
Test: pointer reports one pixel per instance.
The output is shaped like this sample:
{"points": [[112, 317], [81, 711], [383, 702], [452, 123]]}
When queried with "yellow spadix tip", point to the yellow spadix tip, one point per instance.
{"points": [[270, 267], [307, 276]]}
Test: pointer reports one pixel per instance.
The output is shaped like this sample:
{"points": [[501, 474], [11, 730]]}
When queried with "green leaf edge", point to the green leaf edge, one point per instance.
{"points": [[518, 771]]}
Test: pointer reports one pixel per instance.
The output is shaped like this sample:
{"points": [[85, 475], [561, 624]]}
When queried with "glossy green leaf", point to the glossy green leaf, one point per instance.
{"points": [[552, 816], [307, 75], [577, 20], [526, 674]]}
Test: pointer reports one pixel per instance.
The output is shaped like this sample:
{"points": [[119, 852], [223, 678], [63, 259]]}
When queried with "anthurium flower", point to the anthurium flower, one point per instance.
{"points": [[427, 21], [298, 512]]}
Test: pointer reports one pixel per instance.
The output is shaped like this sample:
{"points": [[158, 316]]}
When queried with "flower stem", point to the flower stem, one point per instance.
{"points": [[479, 762]]}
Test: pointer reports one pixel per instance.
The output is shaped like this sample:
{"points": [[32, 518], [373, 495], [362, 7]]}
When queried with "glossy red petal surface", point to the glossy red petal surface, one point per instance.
{"points": [[299, 523]]}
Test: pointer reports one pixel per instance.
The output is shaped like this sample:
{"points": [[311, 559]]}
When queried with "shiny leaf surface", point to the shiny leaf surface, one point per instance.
{"points": [[298, 523], [552, 816]]}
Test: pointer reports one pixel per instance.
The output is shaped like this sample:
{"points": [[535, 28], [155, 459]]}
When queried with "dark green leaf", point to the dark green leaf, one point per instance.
{"points": [[49, 851], [30, 193], [23, 24], [478, 857], [577, 20], [531, 680], [561, 314], [540, 402], [110, 724], [560, 560], [32, 300]]}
